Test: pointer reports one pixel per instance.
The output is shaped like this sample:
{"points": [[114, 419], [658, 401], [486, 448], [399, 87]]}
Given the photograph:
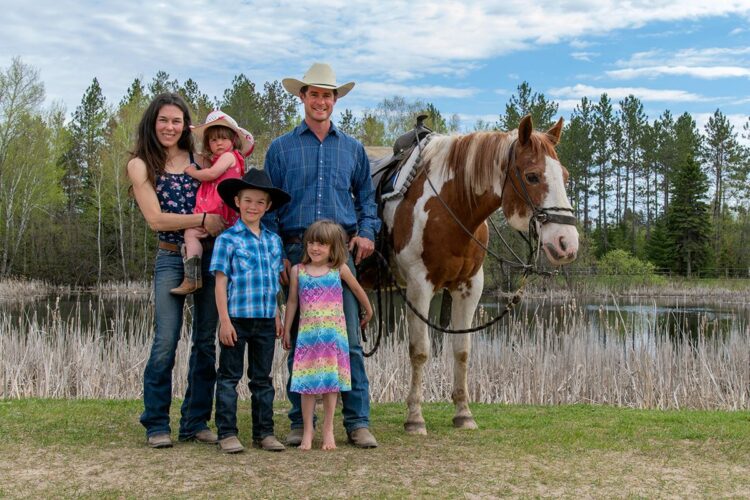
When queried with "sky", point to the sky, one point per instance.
{"points": [[465, 57]]}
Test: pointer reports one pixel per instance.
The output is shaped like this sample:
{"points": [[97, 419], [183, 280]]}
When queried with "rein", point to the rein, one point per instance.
{"points": [[539, 217]]}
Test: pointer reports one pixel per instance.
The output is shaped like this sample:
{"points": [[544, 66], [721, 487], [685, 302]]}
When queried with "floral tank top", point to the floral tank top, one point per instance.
{"points": [[176, 194]]}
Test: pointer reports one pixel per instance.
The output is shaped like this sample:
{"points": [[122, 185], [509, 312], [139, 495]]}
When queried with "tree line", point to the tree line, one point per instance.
{"points": [[660, 189]]}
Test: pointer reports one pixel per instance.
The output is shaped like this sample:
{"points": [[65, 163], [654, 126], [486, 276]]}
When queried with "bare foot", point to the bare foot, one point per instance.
{"points": [[306, 444], [329, 442]]}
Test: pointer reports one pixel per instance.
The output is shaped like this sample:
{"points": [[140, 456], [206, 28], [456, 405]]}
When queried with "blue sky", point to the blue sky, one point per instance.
{"points": [[465, 57]]}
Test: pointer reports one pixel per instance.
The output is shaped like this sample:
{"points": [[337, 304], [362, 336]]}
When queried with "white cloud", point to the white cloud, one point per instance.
{"points": [[571, 95], [583, 56], [706, 63], [211, 41], [381, 90]]}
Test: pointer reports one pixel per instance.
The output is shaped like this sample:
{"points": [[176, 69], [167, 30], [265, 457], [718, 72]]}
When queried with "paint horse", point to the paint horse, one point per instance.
{"points": [[474, 175]]}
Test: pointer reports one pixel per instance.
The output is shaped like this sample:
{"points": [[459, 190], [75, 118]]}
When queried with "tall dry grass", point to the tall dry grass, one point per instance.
{"points": [[528, 359]]}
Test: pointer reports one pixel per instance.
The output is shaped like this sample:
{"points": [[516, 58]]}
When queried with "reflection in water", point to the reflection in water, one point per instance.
{"points": [[633, 321]]}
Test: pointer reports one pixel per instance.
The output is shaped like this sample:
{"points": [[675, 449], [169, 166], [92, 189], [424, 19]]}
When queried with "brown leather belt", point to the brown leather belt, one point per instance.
{"points": [[206, 243], [295, 239]]}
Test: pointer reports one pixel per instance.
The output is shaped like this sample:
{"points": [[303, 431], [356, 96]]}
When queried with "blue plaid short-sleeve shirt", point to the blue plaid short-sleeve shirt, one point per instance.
{"points": [[252, 265]]}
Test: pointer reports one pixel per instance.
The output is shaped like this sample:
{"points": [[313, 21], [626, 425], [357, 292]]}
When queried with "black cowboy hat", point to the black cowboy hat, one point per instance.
{"points": [[253, 179]]}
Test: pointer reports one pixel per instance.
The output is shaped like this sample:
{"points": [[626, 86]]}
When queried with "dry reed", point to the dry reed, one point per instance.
{"points": [[526, 360]]}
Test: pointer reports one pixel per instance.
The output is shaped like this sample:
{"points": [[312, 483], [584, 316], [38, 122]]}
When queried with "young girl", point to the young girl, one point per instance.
{"points": [[321, 356], [227, 144]]}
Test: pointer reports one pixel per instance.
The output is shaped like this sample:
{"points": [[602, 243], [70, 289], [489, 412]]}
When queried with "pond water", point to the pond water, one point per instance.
{"points": [[636, 320]]}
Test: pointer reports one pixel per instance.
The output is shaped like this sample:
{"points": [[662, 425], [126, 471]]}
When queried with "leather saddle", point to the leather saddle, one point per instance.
{"points": [[384, 172]]}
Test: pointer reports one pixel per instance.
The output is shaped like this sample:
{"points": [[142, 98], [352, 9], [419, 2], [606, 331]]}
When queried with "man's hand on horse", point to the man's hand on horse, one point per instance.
{"points": [[365, 247]]}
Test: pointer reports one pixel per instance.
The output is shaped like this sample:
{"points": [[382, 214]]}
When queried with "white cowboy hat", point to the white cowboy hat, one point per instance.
{"points": [[319, 75], [218, 117]]}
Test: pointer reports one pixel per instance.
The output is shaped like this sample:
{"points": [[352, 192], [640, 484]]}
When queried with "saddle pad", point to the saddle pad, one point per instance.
{"points": [[406, 173]]}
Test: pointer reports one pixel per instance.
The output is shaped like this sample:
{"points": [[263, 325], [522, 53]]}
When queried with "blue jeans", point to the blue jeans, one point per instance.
{"points": [[356, 402], [157, 378], [259, 334]]}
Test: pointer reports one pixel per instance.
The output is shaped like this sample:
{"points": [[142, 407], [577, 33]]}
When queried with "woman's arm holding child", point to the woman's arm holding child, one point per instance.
{"points": [[148, 202], [213, 172], [359, 292], [291, 309], [227, 334]]}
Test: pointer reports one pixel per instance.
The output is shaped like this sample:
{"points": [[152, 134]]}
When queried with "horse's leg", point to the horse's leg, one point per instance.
{"points": [[465, 300], [419, 352]]}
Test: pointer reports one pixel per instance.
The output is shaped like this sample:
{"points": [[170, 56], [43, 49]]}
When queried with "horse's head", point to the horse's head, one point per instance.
{"points": [[534, 186]]}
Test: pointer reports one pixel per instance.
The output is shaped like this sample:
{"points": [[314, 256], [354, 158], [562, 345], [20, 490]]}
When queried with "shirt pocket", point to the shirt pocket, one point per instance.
{"points": [[246, 261], [342, 179]]}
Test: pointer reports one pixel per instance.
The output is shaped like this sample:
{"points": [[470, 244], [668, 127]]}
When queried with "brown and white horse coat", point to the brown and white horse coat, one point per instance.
{"points": [[432, 252]]}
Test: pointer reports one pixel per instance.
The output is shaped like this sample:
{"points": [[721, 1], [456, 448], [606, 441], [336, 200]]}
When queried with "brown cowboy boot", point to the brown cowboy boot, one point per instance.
{"points": [[193, 279]]}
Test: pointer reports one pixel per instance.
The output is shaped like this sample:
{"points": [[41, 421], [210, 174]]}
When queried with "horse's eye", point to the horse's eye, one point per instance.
{"points": [[532, 178]]}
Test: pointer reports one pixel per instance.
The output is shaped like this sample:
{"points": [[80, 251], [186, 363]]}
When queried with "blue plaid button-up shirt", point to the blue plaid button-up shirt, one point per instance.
{"points": [[327, 180], [252, 265]]}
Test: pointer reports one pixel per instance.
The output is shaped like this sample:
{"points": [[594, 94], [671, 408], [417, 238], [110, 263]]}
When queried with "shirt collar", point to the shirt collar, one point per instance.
{"points": [[303, 127], [239, 228]]}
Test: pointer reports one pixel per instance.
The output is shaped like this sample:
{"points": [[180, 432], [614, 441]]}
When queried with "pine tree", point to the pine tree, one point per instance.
{"points": [[161, 84], [348, 124], [85, 179], [199, 103], [688, 221], [435, 120], [527, 102]]}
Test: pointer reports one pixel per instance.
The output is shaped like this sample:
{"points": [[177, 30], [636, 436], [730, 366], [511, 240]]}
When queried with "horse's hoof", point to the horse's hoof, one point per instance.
{"points": [[463, 422], [416, 428]]}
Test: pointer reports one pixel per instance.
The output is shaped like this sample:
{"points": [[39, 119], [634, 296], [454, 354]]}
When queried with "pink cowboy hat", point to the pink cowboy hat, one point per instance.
{"points": [[218, 117]]}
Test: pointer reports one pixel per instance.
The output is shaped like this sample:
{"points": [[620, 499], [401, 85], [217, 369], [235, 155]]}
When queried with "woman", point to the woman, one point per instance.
{"points": [[166, 195]]}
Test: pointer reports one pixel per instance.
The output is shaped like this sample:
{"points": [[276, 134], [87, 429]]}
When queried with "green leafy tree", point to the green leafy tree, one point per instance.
{"points": [[29, 173], [398, 116], [527, 102], [372, 130]]}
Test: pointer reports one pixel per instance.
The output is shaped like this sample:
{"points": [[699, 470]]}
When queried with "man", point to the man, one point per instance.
{"points": [[328, 176]]}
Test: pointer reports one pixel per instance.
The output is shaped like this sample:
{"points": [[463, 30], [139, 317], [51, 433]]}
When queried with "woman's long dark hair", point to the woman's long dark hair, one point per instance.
{"points": [[147, 145]]}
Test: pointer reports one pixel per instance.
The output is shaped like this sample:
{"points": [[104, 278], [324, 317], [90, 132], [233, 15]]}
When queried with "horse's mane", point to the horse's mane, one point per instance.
{"points": [[475, 160]]}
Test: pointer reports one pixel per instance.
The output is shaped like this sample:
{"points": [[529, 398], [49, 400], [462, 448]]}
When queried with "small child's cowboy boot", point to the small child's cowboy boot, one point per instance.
{"points": [[193, 279]]}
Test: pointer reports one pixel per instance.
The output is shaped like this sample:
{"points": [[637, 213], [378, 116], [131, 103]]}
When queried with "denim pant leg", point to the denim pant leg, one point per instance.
{"points": [[356, 403], [260, 346], [231, 363], [199, 396], [294, 254], [157, 378]]}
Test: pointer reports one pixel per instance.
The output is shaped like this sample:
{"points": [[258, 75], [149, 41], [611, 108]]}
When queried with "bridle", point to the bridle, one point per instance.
{"points": [[539, 217]]}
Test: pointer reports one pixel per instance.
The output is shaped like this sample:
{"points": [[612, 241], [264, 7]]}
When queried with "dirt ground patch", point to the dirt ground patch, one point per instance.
{"points": [[96, 449]]}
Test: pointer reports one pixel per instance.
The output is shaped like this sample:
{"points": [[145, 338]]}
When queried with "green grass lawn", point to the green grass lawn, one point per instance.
{"points": [[67, 448]]}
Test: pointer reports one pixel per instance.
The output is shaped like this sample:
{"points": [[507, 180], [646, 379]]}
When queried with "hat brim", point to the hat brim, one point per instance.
{"points": [[294, 86], [229, 188], [247, 142]]}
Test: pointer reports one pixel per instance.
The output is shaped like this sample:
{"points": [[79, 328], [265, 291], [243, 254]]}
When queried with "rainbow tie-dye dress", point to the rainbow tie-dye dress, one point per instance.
{"points": [[321, 355]]}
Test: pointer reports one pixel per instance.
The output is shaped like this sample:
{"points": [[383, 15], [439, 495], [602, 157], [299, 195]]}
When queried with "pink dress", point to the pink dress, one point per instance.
{"points": [[208, 199]]}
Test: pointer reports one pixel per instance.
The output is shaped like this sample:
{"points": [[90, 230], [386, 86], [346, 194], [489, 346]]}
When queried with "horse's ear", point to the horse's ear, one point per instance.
{"points": [[555, 131], [524, 130]]}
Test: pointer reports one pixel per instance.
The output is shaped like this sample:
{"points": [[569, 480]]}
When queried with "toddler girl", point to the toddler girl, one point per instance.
{"points": [[321, 355], [226, 144]]}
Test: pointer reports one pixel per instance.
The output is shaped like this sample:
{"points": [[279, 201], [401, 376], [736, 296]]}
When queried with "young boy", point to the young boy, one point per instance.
{"points": [[246, 262]]}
